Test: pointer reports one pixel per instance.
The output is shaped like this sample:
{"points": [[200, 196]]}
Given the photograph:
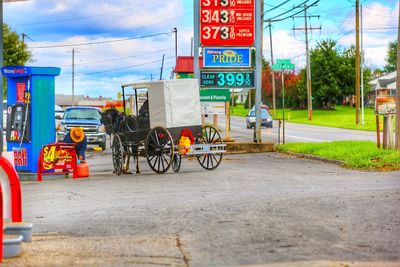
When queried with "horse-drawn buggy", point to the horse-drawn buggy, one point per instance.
{"points": [[163, 125]]}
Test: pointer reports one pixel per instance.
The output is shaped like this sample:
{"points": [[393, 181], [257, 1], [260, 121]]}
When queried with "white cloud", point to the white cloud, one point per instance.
{"points": [[285, 45], [380, 22], [101, 68], [59, 7]]}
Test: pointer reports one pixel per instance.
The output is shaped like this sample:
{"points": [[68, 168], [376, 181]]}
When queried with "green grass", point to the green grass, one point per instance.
{"points": [[239, 110], [361, 155], [342, 117]]}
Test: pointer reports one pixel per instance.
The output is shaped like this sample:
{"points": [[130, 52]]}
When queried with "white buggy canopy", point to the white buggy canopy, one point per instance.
{"points": [[172, 103]]}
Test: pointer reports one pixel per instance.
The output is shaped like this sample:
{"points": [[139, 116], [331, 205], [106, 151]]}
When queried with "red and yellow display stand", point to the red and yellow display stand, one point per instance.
{"points": [[57, 158]]}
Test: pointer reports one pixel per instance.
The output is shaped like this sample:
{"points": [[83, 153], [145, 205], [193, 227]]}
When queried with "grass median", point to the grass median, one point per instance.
{"points": [[360, 155], [341, 117]]}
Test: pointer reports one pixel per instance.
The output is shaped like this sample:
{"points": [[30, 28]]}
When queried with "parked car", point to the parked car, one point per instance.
{"points": [[87, 118], [266, 119], [58, 114], [263, 106]]}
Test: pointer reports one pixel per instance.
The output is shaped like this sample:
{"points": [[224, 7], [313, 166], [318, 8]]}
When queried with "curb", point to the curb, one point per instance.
{"points": [[249, 147], [313, 157]]}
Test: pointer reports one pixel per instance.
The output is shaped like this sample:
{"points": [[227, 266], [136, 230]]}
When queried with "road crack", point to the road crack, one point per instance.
{"points": [[185, 257]]}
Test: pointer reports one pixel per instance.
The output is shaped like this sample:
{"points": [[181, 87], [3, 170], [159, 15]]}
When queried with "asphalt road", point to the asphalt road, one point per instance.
{"points": [[255, 209], [293, 132]]}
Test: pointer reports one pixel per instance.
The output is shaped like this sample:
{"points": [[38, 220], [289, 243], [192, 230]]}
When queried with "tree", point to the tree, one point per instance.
{"points": [[15, 51], [326, 61], [333, 70], [296, 90], [391, 58]]}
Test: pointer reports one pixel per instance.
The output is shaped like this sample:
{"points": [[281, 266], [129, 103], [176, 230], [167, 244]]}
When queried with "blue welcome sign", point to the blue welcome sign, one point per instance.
{"points": [[228, 57]]}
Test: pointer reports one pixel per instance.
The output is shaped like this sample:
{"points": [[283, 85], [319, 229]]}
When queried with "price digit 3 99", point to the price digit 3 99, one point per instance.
{"points": [[231, 79]]}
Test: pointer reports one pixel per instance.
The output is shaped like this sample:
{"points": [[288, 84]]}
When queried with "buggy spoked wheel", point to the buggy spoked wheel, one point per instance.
{"points": [[209, 135], [176, 163], [117, 154], [159, 149]]}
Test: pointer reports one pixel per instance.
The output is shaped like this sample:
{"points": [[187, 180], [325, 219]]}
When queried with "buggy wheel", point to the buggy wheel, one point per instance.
{"points": [[176, 163], [209, 135], [159, 149], [117, 154]]}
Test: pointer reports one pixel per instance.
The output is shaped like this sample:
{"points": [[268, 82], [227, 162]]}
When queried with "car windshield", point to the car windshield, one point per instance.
{"points": [[264, 113], [82, 114]]}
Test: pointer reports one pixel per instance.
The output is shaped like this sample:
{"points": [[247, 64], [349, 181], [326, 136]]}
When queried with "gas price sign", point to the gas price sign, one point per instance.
{"points": [[232, 79], [227, 22]]}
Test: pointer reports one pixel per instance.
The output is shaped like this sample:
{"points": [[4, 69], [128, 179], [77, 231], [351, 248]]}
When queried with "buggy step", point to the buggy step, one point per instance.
{"points": [[202, 149]]}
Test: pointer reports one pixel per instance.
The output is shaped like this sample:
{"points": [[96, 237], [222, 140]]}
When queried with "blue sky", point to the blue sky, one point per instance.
{"points": [[55, 27]]}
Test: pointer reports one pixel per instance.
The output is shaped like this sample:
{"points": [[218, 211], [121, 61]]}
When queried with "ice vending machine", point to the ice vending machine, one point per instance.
{"points": [[30, 112]]}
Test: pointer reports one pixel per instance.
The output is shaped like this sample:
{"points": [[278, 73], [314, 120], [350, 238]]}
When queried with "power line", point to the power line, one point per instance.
{"points": [[295, 14], [86, 17], [121, 58], [293, 8], [275, 7], [344, 35], [102, 42], [126, 67]]}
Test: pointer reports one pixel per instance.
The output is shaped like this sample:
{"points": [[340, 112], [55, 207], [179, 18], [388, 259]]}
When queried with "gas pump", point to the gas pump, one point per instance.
{"points": [[18, 121], [30, 113]]}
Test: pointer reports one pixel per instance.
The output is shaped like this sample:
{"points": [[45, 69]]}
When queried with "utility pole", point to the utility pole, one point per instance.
{"points": [[23, 35], [162, 66], [397, 133], [191, 47], [272, 70], [258, 82], [73, 76], [308, 61], [357, 62], [309, 92], [175, 30], [196, 38], [362, 69]]}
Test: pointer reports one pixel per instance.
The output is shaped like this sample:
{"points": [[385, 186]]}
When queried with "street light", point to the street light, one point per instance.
{"points": [[1, 65]]}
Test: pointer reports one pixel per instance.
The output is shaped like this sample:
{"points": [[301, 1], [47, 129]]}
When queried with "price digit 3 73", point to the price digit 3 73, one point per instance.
{"points": [[212, 32]]}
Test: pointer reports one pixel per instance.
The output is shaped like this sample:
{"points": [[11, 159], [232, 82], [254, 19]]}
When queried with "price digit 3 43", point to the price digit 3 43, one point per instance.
{"points": [[216, 16]]}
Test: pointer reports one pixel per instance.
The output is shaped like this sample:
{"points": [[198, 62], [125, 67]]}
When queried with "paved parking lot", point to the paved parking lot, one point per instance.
{"points": [[255, 209]]}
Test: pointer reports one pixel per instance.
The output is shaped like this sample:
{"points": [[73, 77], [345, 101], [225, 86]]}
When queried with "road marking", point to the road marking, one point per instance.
{"points": [[326, 128], [305, 138]]}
